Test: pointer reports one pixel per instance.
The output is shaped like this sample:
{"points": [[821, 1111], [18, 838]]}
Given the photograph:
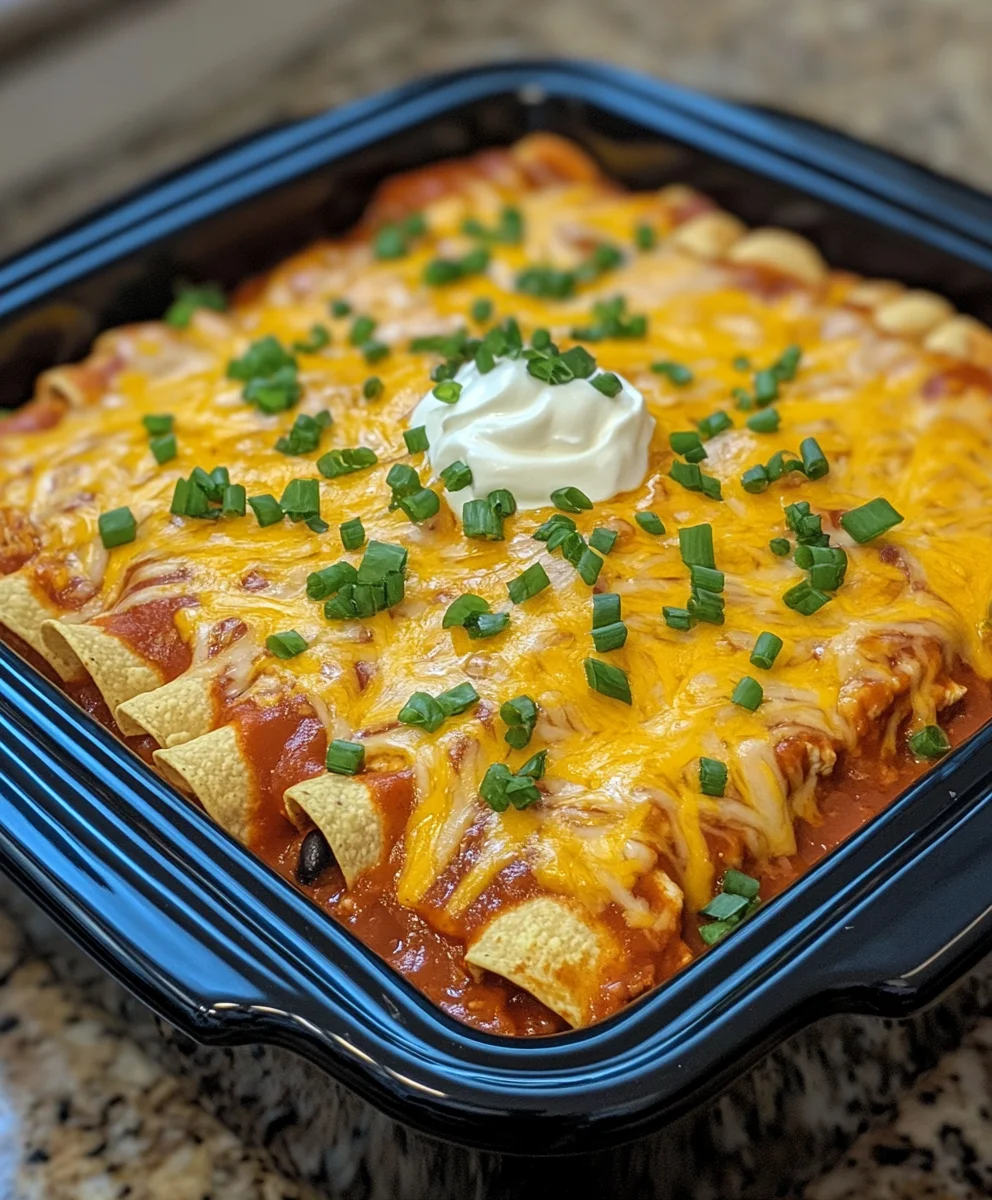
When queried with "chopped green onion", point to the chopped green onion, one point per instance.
{"points": [[674, 372], [715, 930], [234, 501], [285, 645], [870, 520], [305, 434], [741, 363], [766, 650], [748, 693], [373, 352], [457, 699], [345, 758], [301, 499], [607, 383], [448, 391], [503, 502], [805, 599], [696, 546], [456, 476], [706, 606], [381, 560], [482, 310], [466, 606], [362, 329], [423, 711], [765, 421], [164, 448], [765, 387], [650, 522], [316, 339], [481, 520], [266, 509], [579, 361], [528, 583], [708, 578], [780, 546], [372, 388], [402, 480], [605, 609], [520, 714], [715, 423], [345, 462], [486, 624], [321, 584], [500, 788], [603, 539], [610, 637], [543, 532], [117, 527], [339, 308], [788, 362], [180, 312], [677, 618], [645, 237], [416, 439], [688, 444], [589, 565], [814, 460], [352, 533], [930, 742], [317, 524], [736, 883], [712, 776], [157, 424], [607, 680], [693, 479], [420, 506], [546, 282], [755, 479], [725, 906], [264, 358], [570, 499]]}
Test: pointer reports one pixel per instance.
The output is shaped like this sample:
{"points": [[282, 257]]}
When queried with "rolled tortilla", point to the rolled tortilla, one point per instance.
{"points": [[553, 950], [177, 712], [24, 613], [346, 813], [118, 672], [216, 770]]}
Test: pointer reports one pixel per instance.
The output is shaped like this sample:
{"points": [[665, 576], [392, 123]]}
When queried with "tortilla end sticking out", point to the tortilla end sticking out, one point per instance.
{"points": [[551, 950], [215, 769], [117, 671], [24, 614], [345, 812], [174, 713]]}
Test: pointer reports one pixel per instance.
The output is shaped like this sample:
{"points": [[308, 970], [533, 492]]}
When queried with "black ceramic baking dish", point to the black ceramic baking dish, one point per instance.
{"points": [[223, 949]]}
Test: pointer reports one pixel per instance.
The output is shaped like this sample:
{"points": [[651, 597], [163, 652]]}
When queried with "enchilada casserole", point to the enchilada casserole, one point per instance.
{"points": [[540, 576]]}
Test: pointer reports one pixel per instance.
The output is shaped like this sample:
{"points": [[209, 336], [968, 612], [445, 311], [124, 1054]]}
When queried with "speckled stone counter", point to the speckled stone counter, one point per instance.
{"points": [[84, 1113]]}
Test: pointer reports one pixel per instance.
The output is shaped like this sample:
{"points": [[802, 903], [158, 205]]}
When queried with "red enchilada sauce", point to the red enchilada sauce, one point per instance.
{"points": [[288, 744]]}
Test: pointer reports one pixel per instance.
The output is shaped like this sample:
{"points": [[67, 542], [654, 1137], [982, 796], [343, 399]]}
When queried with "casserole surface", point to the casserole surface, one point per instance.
{"points": [[575, 897]]}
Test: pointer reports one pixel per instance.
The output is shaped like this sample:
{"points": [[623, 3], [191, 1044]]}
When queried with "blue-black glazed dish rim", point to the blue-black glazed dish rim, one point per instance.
{"points": [[229, 953]]}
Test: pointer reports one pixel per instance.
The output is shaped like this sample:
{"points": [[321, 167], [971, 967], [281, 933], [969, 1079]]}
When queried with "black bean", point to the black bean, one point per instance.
{"points": [[315, 857]]}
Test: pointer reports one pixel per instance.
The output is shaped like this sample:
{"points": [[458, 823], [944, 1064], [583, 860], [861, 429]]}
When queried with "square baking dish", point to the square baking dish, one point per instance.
{"points": [[227, 953]]}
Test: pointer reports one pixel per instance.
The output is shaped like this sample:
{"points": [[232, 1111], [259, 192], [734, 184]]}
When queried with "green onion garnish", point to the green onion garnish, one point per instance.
{"points": [[765, 387], [482, 310], [805, 599], [725, 907], [301, 499], [645, 237], [650, 522], [543, 532], [715, 423], [316, 339], [416, 439], [448, 391], [765, 421], [180, 312], [603, 539], [157, 424], [579, 361], [234, 501], [346, 462], [402, 480], [372, 388], [374, 352], [481, 520], [748, 693], [305, 434], [529, 583], [694, 480], [423, 711], [570, 499], [870, 520], [610, 637], [712, 776], [780, 546], [456, 476], [814, 460], [607, 680], [674, 372], [546, 282], [164, 448], [266, 509], [589, 565], [520, 714], [788, 362], [766, 650], [677, 618], [457, 699], [741, 363], [324, 583], [503, 502], [696, 546], [689, 444], [352, 533], [605, 609], [362, 329], [736, 883], [285, 645], [339, 308], [707, 578], [500, 787], [486, 625], [931, 742], [117, 527], [420, 505], [345, 758], [607, 383], [755, 479], [460, 610]]}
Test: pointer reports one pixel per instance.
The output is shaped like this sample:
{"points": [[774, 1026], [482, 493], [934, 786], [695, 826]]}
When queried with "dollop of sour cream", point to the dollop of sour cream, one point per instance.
{"points": [[517, 432]]}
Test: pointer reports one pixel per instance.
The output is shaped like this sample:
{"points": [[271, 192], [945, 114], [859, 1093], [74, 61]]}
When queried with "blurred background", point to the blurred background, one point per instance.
{"points": [[98, 95]]}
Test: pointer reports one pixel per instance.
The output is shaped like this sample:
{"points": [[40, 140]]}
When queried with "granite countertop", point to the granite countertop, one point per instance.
{"points": [[84, 1114]]}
